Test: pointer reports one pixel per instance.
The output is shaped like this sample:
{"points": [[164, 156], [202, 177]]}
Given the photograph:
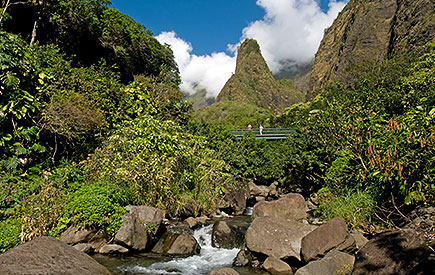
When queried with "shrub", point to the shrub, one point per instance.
{"points": [[99, 205], [354, 206], [160, 163], [9, 234]]}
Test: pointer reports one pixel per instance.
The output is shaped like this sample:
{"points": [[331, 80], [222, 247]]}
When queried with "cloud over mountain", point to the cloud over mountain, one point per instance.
{"points": [[289, 33]]}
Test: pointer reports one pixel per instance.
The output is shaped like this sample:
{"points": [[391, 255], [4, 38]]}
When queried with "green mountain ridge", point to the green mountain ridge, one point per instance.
{"points": [[253, 82]]}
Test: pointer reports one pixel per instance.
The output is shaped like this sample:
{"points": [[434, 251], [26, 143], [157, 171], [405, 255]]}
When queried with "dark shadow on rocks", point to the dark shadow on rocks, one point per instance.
{"points": [[394, 252]]}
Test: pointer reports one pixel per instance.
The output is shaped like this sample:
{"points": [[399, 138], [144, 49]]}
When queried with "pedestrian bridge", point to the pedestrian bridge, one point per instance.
{"points": [[268, 133]]}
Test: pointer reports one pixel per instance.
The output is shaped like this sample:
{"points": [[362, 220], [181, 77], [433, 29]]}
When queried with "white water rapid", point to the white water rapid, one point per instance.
{"points": [[210, 258]]}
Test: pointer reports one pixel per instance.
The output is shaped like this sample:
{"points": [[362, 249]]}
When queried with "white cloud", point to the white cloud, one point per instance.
{"points": [[206, 71], [291, 30], [289, 33]]}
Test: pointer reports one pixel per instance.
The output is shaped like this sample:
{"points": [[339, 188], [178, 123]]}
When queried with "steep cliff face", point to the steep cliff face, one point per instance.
{"points": [[366, 31], [253, 82]]}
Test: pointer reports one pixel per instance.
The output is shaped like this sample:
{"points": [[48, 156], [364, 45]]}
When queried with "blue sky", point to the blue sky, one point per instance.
{"points": [[204, 34], [209, 25]]}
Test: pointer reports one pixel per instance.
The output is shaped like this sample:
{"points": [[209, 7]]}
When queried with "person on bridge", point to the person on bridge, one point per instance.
{"points": [[249, 127], [261, 129]]}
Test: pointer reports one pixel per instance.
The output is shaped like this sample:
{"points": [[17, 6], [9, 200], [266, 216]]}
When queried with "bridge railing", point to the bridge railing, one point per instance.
{"points": [[266, 132]]}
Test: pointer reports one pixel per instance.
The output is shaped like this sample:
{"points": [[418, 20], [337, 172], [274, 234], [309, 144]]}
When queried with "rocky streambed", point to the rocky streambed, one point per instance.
{"points": [[278, 238]]}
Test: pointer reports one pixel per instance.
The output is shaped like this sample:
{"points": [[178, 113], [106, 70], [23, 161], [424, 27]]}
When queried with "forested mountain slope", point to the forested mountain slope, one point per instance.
{"points": [[253, 82], [366, 32]]}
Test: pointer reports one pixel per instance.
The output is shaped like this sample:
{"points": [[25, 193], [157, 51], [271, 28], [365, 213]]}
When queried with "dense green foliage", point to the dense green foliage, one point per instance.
{"points": [[90, 30], [160, 164], [377, 137], [233, 114], [79, 142]]}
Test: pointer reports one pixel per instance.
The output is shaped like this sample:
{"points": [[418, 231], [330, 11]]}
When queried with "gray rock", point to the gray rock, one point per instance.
{"points": [[191, 222], [113, 249], [335, 262], [260, 191], [84, 247], [277, 267], [132, 233], [242, 258], [323, 239], [234, 200], [359, 238], [177, 245], [394, 252], [348, 246], [195, 222], [228, 235], [76, 234], [151, 217], [48, 255], [224, 271], [289, 207], [221, 235], [276, 237], [422, 220]]}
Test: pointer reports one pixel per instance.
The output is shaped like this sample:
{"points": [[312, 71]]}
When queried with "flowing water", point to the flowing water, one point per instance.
{"points": [[147, 264]]}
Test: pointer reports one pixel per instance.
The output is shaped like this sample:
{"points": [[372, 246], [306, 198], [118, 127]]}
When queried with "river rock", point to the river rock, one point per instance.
{"points": [[335, 262], [242, 258], [47, 255], [277, 267], [76, 234], [113, 249], [422, 220], [221, 235], [177, 245], [224, 271], [394, 252], [234, 200], [256, 190], [359, 238], [190, 208], [132, 233], [276, 237], [84, 247], [196, 222], [149, 216], [228, 235], [324, 238], [289, 207]]}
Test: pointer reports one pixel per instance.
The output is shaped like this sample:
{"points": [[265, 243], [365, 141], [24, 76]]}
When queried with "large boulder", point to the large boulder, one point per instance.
{"points": [[48, 255], [277, 267], [77, 234], [326, 237], [228, 235], [149, 216], [335, 262], [177, 245], [234, 200], [132, 233], [276, 237], [289, 207], [394, 252]]}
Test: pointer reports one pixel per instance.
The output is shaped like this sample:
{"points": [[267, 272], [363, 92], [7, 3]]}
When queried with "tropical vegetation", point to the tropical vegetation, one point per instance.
{"points": [[91, 120]]}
